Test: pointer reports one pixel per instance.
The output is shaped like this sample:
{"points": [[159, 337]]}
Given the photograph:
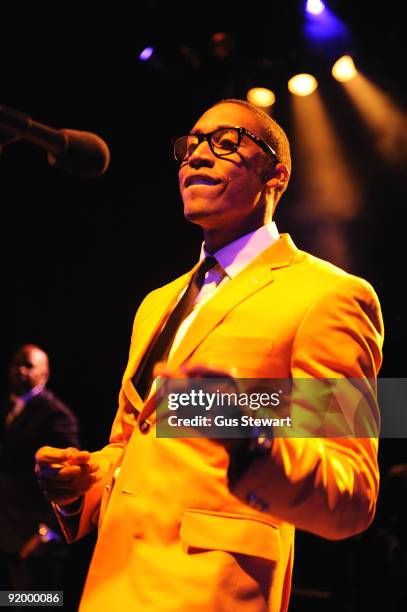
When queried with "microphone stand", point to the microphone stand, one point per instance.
{"points": [[7, 138]]}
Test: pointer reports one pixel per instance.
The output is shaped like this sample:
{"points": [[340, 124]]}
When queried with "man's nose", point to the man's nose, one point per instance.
{"points": [[202, 156]]}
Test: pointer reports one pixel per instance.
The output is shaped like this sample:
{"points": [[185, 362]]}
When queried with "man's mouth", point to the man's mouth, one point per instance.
{"points": [[200, 179]]}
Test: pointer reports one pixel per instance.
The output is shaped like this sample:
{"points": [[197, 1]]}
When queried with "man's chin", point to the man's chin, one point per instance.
{"points": [[20, 389], [198, 216]]}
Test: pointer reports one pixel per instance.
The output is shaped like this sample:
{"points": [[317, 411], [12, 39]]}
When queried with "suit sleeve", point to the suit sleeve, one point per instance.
{"points": [[108, 458], [63, 429], [328, 486], [81, 523]]}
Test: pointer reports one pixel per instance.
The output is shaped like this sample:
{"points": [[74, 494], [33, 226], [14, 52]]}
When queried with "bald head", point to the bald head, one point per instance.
{"points": [[29, 368]]}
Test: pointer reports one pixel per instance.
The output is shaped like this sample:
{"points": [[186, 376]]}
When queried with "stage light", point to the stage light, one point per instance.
{"points": [[315, 7], [386, 120], [323, 27], [328, 189], [146, 53], [327, 180], [344, 69], [261, 96], [302, 84]]}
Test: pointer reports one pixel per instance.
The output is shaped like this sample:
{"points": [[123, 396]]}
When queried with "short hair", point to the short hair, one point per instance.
{"points": [[272, 133]]}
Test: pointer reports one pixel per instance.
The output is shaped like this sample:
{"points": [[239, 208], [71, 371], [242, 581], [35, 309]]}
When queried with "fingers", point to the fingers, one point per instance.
{"points": [[66, 487], [201, 370], [50, 455], [59, 471], [77, 484], [65, 474]]}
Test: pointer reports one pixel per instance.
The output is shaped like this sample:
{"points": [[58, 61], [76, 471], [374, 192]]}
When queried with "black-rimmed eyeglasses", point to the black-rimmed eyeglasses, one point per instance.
{"points": [[222, 142]]}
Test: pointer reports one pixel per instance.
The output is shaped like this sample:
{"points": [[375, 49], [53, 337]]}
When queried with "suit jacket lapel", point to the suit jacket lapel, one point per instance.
{"points": [[253, 278], [164, 303]]}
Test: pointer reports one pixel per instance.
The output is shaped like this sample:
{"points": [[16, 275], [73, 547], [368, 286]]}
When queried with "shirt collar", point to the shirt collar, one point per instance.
{"points": [[26, 397], [235, 256]]}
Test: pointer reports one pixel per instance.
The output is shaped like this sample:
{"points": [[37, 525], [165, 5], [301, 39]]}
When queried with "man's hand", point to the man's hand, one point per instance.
{"points": [[196, 371], [224, 379], [66, 474]]}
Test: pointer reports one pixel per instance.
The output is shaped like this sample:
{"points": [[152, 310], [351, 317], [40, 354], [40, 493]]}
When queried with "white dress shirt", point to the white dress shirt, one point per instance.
{"points": [[19, 402]]}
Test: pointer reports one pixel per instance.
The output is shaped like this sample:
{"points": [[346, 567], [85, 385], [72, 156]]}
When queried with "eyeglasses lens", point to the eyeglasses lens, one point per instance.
{"points": [[223, 142]]}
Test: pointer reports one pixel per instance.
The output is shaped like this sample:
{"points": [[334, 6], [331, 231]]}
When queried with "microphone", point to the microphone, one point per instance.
{"points": [[80, 153]]}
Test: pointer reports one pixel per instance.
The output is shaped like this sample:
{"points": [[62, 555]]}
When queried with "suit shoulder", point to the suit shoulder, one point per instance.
{"points": [[328, 288], [53, 404], [161, 292], [321, 267], [329, 275], [168, 286]]}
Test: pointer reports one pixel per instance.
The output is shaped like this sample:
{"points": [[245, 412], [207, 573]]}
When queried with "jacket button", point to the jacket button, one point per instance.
{"points": [[144, 426]]}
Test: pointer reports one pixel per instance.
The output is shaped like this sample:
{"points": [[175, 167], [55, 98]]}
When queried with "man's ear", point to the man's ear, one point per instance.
{"points": [[277, 175]]}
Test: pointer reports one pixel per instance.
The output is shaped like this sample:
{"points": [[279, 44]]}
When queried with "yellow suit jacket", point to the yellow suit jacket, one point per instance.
{"points": [[173, 534]]}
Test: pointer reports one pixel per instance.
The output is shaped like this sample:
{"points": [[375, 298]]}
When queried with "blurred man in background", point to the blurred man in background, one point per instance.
{"points": [[31, 547]]}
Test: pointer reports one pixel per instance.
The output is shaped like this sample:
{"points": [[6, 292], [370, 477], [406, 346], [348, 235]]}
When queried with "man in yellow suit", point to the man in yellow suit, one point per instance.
{"points": [[176, 532]]}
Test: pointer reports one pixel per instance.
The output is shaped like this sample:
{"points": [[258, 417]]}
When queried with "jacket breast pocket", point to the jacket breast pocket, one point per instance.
{"points": [[230, 533], [239, 344], [251, 357]]}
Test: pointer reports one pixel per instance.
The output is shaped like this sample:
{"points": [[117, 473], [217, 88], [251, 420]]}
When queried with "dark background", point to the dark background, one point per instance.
{"points": [[79, 255]]}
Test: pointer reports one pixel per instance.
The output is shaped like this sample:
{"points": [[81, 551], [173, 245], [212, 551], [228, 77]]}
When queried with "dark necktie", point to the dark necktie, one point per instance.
{"points": [[15, 406], [160, 348]]}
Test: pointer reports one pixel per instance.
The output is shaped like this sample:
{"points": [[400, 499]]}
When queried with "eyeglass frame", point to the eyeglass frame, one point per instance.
{"points": [[242, 131]]}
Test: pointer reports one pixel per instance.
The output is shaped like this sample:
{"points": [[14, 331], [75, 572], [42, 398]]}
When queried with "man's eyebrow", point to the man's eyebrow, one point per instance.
{"points": [[220, 127]]}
